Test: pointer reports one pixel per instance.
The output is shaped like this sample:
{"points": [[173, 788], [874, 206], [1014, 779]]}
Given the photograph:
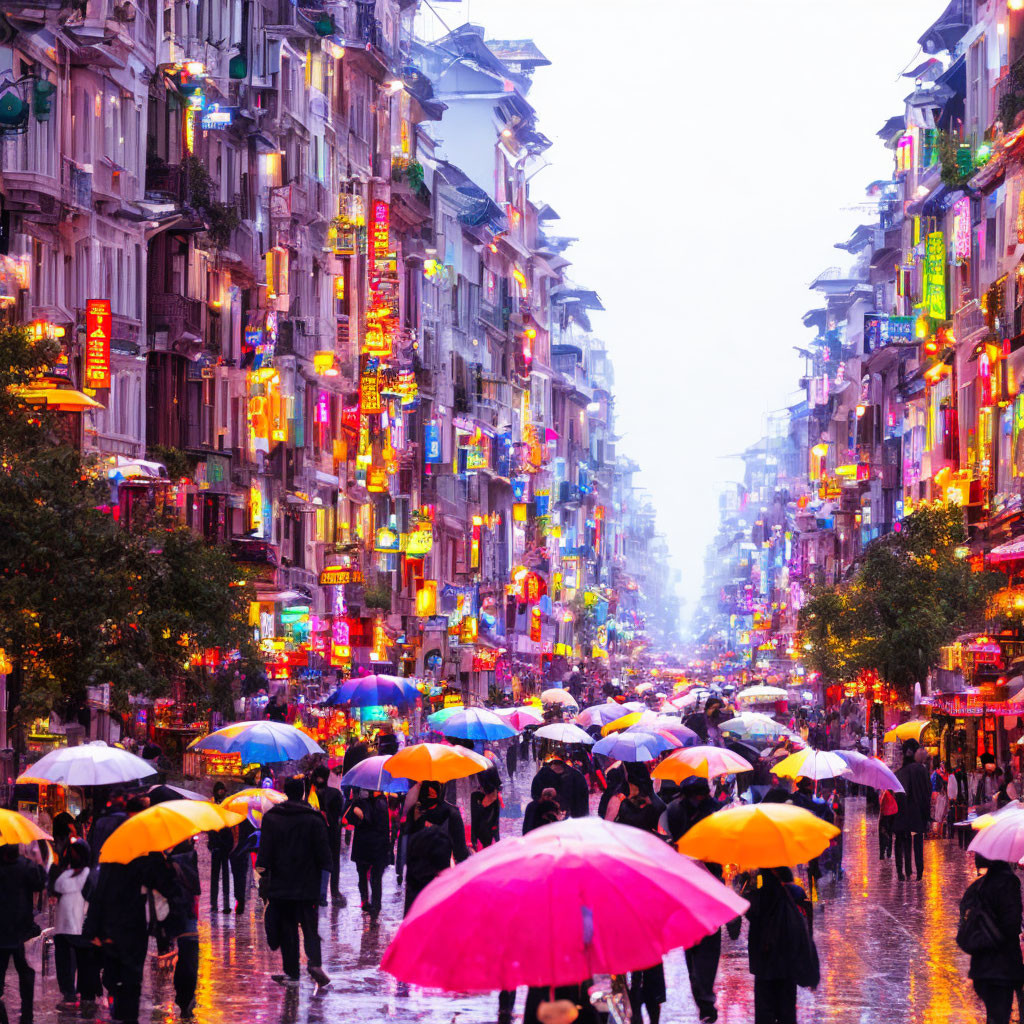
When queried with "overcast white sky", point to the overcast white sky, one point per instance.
{"points": [[707, 153]]}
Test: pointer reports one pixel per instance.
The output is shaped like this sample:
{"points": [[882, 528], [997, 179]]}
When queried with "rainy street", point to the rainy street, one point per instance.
{"points": [[886, 948]]}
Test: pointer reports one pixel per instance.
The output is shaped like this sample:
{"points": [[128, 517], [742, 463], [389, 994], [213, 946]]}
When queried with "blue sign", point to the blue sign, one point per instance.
{"points": [[881, 330], [432, 443], [217, 117]]}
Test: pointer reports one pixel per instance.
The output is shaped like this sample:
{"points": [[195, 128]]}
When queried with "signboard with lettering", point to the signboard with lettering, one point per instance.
{"points": [[881, 330], [369, 394], [97, 344], [935, 276], [432, 444], [339, 575]]}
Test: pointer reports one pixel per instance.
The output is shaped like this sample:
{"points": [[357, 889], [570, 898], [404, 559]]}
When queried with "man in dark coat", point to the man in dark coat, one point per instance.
{"points": [[371, 848], [705, 723], [999, 972], [294, 852], [913, 811], [332, 806], [567, 782], [112, 816], [117, 922], [436, 836], [220, 844], [693, 804], [542, 811], [20, 880]]}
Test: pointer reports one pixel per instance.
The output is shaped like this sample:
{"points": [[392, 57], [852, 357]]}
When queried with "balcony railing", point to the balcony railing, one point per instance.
{"points": [[177, 312]]}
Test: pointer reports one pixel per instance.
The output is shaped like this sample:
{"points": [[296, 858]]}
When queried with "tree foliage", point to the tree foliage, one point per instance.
{"points": [[910, 595]]}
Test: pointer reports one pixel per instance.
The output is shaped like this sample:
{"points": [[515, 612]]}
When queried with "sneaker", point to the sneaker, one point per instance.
{"points": [[285, 980], [320, 976]]}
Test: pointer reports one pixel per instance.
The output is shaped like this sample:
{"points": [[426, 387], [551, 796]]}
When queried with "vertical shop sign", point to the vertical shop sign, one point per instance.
{"points": [[97, 344], [962, 230], [935, 276]]}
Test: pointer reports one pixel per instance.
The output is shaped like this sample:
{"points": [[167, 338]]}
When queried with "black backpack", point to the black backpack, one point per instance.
{"points": [[977, 931], [796, 935]]}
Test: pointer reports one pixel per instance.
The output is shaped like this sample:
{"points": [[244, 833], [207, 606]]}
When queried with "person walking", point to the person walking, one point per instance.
{"points": [[75, 962], [294, 851], [220, 844], [542, 811], [780, 947], [485, 810], [436, 837], [913, 812], [182, 925], [990, 926], [332, 806], [245, 838], [888, 808], [20, 880], [567, 782], [371, 848]]}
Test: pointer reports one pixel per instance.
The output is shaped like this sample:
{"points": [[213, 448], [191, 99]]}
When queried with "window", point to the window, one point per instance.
{"points": [[977, 88]]}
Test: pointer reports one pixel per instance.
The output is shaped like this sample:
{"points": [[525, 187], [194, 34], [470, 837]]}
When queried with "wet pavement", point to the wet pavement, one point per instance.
{"points": [[887, 954]]}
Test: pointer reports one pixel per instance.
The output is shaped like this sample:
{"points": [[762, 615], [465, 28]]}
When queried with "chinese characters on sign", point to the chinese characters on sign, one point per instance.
{"points": [[962, 230], [369, 394], [935, 276], [881, 330], [97, 344]]}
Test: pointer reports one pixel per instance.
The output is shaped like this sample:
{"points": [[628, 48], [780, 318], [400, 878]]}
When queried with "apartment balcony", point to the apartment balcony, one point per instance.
{"points": [[179, 316], [31, 192], [167, 182]]}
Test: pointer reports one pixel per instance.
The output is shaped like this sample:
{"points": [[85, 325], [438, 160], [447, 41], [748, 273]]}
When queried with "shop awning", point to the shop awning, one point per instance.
{"points": [[1011, 551], [58, 399]]}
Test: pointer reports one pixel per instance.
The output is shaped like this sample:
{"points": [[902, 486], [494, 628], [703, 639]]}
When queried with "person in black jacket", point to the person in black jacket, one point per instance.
{"points": [[567, 782], [776, 956], [20, 880], [485, 809], [183, 925], [245, 837], [294, 852], [639, 806], [913, 811], [371, 847], [999, 972], [220, 844], [693, 804], [332, 806], [429, 851]]}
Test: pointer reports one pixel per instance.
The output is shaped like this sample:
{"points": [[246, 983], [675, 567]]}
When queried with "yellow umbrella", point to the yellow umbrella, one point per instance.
{"points": [[15, 829], [758, 836], [907, 731], [254, 799], [705, 762], [163, 826], [435, 762], [618, 724], [58, 399], [811, 764]]}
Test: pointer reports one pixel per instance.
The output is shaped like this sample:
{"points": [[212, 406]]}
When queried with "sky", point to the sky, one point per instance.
{"points": [[707, 154]]}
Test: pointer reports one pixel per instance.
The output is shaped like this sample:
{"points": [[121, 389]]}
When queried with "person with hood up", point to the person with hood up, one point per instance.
{"points": [[112, 816], [913, 812], [294, 852], [20, 880], [75, 962], [220, 844], [567, 782], [997, 968], [332, 806], [780, 946], [542, 811], [371, 847], [485, 809]]}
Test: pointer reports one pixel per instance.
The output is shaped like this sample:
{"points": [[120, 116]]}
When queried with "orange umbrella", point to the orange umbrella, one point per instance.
{"points": [[705, 762], [435, 762]]}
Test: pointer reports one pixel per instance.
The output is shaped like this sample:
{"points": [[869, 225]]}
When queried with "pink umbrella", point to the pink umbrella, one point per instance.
{"points": [[593, 897], [520, 718]]}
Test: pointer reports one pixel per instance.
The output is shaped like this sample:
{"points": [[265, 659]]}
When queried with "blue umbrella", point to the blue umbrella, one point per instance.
{"points": [[260, 742], [372, 775], [475, 724], [374, 691], [633, 746]]}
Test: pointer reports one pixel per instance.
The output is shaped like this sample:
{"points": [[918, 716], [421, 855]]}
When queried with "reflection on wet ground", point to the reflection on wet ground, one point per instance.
{"points": [[886, 948]]}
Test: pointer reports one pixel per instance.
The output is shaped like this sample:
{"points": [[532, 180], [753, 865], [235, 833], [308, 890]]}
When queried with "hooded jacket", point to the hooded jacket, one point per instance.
{"points": [[294, 851], [20, 879], [1000, 891], [570, 785], [913, 806]]}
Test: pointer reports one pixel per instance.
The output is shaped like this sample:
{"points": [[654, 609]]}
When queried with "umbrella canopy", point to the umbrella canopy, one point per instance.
{"points": [[371, 774], [623, 722], [869, 771], [253, 799], [16, 829], [672, 726], [162, 827], [703, 761], [1003, 839], [435, 762], [58, 399], [633, 746], [92, 764], [906, 731], [564, 732], [162, 793], [745, 750], [374, 691], [260, 742], [437, 717], [602, 714], [476, 724], [751, 726], [758, 836], [594, 897], [520, 718], [812, 764], [761, 695], [557, 696], [984, 820]]}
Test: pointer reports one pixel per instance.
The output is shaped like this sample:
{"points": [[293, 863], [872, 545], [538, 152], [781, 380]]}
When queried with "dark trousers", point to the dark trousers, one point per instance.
{"points": [[370, 874], [702, 966], [904, 842], [66, 963], [122, 975], [506, 1004], [774, 1001], [77, 966], [240, 878], [186, 970], [998, 1000], [885, 838], [26, 982], [293, 915], [219, 869], [335, 843]]}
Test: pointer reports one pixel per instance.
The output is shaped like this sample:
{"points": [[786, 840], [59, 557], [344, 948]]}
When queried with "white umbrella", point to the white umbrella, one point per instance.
{"points": [[557, 696], [811, 764], [564, 732], [869, 771], [93, 764], [761, 694], [1002, 840]]}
